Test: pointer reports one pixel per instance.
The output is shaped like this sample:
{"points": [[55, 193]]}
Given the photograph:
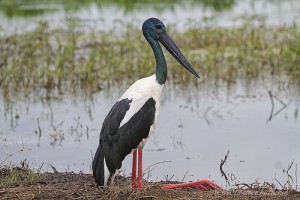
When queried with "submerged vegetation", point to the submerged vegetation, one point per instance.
{"points": [[72, 59]]}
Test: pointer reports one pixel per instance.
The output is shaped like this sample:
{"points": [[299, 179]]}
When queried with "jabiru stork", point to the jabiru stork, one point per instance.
{"points": [[132, 118]]}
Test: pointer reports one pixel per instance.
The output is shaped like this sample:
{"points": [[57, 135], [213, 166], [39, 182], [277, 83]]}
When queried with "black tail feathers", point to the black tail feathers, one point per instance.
{"points": [[98, 167]]}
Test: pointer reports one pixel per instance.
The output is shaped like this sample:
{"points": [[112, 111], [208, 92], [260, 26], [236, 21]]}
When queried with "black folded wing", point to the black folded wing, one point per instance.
{"points": [[116, 142]]}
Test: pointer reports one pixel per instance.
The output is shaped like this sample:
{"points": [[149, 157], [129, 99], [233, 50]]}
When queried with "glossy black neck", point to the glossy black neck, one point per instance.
{"points": [[161, 64]]}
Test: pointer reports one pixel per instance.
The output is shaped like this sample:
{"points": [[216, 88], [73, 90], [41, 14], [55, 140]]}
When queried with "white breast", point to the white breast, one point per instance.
{"points": [[139, 93]]}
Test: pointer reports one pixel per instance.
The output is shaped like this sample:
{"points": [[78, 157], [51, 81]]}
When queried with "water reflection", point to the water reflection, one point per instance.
{"points": [[196, 127]]}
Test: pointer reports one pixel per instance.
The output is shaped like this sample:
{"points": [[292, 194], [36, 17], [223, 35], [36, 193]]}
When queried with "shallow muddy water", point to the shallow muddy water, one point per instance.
{"points": [[196, 128]]}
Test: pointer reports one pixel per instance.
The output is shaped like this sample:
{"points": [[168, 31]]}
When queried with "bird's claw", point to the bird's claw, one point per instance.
{"points": [[201, 184]]}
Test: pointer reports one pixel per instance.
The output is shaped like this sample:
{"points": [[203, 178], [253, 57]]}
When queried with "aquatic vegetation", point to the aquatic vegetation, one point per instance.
{"points": [[12, 8], [75, 61]]}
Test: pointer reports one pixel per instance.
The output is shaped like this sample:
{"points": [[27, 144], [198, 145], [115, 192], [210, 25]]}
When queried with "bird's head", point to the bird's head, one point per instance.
{"points": [[154, 29]]}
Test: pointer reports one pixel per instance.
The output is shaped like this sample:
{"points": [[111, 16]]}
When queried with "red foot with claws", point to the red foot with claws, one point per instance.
{"points": [[202, 185]]}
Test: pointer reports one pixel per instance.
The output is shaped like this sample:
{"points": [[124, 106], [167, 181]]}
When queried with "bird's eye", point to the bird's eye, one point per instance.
{"points": [[159, 26]]}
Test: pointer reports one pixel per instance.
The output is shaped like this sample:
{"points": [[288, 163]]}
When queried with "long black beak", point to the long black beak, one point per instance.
{"points": [[169, 44]]}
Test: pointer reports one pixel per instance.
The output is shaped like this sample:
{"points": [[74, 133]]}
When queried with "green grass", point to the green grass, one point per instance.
{"points": [[71, 61], [16, 176]]}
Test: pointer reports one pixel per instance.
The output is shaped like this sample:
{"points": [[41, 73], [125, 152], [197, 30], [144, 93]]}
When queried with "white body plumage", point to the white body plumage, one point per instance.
{"points": [[140, 92]]}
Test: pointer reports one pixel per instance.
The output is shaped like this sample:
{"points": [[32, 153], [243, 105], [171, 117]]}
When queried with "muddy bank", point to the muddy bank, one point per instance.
{"points": [[19, 183]]}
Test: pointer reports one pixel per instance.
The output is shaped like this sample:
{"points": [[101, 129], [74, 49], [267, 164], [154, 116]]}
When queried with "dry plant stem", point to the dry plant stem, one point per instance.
{"points": [[272, 114], [296, 175], [10, 155], [185, 175], [290, 178], [221, 166], [39, 127], [272, 109], [166, 161]]}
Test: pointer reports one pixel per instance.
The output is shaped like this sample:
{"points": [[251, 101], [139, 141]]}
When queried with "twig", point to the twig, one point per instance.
{"points": [[221, 167], [51, 117], [167, 178], [289, 176], [39, 127], [87, 132], [157, 164], [185, 175], [272, 114], [272, 109], [296, 175], [39, 169], [232, 177], [279, 183], [243, 184], [53, 168], [10, 155], [284, 104], [91, 165], [279, 111]]}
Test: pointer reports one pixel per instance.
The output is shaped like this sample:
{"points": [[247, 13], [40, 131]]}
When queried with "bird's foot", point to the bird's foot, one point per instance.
{"points": [[201, 184], [140, 186], [137, 185]]}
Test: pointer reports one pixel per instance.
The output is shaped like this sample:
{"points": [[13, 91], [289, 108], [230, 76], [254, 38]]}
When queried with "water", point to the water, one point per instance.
{"points": [[195, 129], [98, 16]]}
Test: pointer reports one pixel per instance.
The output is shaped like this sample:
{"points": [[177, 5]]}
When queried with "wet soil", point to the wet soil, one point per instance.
{"points": [[68, 185]]}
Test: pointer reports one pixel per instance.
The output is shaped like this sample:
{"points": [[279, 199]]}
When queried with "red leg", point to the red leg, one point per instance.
{"points": [[140, 169], [133, 174]]}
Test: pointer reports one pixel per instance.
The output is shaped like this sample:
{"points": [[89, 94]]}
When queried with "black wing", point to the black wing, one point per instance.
{"points": [[117, 142]]}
